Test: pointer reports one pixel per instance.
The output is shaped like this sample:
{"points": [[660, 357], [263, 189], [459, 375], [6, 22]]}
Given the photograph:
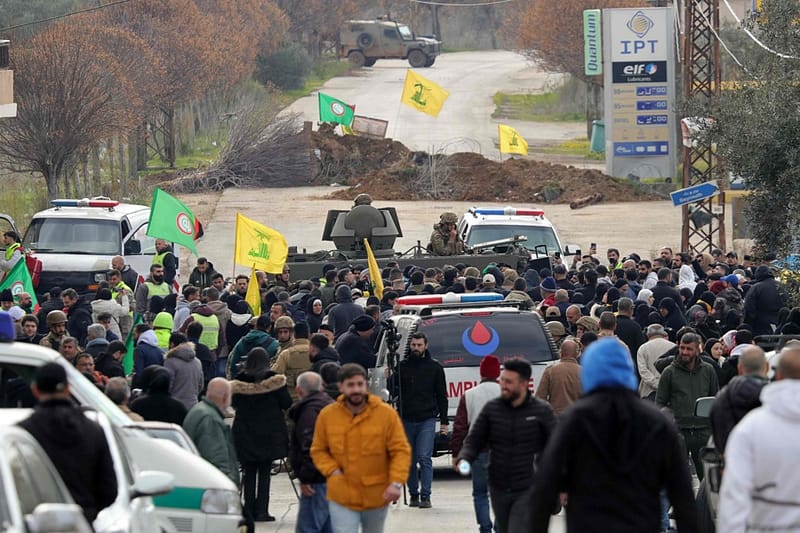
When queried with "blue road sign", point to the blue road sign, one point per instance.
{"points": [[694, 193]]}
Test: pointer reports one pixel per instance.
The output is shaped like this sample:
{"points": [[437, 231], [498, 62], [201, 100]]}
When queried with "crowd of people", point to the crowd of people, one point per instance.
{"points": [[666, 330]]}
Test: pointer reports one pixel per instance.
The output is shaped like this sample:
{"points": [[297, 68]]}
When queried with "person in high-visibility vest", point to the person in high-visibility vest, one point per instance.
{"points": [[13, 251], [155, 285], [166, 258]]}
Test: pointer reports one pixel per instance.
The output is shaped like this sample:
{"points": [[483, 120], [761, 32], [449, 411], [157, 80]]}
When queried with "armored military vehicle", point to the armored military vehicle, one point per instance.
{"points": [[363, 42], [381, 227]]}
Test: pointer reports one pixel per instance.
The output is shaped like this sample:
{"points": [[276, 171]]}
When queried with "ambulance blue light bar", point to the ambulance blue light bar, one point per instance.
{"points": [[84, 202], [509, 211], [449, 298]]}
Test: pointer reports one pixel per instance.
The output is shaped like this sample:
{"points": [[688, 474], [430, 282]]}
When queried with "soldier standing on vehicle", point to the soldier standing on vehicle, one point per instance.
{"points": [[445, 239], [423, 395]]}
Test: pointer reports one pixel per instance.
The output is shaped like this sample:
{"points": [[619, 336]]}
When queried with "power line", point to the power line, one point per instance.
{"points": [[452, 4], [753, 37], [65, 15], [724, 45]]}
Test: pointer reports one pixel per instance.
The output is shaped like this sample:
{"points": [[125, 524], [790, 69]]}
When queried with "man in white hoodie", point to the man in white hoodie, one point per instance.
{"points": [[761, 489]]}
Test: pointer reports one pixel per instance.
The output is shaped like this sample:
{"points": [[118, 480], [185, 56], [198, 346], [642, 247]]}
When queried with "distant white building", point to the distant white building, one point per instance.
{"points": [[7, 106]]}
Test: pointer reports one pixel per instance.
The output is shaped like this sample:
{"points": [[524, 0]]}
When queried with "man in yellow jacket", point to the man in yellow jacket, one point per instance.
{"points": [[360, 447]]}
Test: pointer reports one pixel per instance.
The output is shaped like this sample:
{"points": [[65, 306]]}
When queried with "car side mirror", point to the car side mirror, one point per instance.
{"points": [[54, 517], [152, 483], [133, 247], [702, 406]]}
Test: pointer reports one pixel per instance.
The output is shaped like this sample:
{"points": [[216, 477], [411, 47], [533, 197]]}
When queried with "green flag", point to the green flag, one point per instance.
{"points": [[171, 220], [127, 361], [19, 280], [333, 110]]}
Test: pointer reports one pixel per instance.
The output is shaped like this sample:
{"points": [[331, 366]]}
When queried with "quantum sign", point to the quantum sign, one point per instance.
{"points": [[592, 43]]}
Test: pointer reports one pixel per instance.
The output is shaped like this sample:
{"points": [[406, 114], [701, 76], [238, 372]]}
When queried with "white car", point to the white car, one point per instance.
{"points": [[204, 499], [34, 498], [133, 510]]}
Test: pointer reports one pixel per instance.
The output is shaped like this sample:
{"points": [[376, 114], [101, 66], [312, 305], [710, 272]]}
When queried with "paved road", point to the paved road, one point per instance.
{"points": [[451, 512], [299, 214], [465, 123]]}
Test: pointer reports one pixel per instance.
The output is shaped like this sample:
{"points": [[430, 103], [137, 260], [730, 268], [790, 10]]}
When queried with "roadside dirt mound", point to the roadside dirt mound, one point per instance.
{"points": [[388, 170]]}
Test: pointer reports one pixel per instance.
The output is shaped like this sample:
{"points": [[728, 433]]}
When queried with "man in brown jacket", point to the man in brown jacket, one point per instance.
{"points": [[294, 360], [561, 382]]}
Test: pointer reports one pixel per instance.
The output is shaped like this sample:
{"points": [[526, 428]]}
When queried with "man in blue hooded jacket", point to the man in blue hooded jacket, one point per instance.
{"points": [[612, 453]]}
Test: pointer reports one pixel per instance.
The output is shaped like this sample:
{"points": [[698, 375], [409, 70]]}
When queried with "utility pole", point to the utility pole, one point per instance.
{"points": [[703, 222]]}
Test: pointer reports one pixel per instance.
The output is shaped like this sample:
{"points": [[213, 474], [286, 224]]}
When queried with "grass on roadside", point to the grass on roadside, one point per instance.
{"points": [[321, 73], [546, 107], [575, 147]]}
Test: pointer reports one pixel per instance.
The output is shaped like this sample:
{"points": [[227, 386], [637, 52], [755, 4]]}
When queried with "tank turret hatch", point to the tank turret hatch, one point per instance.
{"points": [[348, 229]]}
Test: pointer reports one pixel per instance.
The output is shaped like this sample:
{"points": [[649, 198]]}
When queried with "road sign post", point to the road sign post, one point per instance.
{"points": [[694, 193]]}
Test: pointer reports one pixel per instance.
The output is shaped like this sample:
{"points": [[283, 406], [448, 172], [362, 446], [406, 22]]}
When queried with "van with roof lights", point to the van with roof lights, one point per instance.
{"points": [[529, 227], [462, 329], [76, 239]]}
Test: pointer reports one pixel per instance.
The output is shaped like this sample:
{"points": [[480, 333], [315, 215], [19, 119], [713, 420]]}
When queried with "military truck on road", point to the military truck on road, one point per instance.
{"points": [[363, 42]]}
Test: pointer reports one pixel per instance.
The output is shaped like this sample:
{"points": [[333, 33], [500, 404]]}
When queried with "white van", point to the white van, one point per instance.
{"points": [[461, 330], [203, 499], [76, 239]]}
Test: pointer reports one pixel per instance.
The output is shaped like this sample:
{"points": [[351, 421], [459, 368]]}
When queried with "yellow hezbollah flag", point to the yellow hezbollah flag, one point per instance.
{"points": [[258, 246], [374, 272], [423, 95], [253, 296], [511, 142]]}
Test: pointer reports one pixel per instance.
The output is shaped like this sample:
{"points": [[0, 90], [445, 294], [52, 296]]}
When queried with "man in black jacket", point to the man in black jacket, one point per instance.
{"points": [[354, 346], [763, 301], [664, 288], [76, 445], [612, 453], [312, 514], [740, 396], [423, 396], [628, 330], [515, 428]]}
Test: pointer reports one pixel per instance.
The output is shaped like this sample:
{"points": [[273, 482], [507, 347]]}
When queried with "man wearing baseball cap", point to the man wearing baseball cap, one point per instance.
{"points": [[469, 406], [76, 445]]}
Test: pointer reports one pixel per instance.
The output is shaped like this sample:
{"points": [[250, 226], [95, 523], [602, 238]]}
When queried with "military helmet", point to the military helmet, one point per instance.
{"points": [[363, 199], [449, 218], [56, 317], [284, 322]]}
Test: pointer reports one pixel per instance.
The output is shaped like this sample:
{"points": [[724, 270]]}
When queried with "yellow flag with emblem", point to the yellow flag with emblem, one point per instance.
{"points": [[422, 94], [511, 142], [253, 296], [258, 246], [374, 272]]}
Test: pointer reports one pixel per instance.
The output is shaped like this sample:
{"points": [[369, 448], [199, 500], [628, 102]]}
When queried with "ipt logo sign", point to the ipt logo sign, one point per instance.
{"points": [[639, 35]]}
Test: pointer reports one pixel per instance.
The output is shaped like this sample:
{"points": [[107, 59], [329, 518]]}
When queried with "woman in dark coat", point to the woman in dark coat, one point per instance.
{"points": [[260, 398], [314, 314]]}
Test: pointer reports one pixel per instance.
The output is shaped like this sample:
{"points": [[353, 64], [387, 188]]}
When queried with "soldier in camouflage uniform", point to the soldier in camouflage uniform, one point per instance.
{"points": [[444, 239]]}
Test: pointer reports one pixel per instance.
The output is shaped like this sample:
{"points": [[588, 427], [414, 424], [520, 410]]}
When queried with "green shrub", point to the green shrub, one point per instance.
{"points": [[287, 68]]}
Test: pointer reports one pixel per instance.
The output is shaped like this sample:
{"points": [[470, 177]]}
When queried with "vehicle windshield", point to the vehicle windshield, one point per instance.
{"points": [[405, 32], [464, 339], [73, 236], [537, 236]]}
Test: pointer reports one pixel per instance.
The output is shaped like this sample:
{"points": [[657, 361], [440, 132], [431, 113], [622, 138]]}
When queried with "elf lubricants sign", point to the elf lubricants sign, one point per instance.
{"points": [[639, 93]]}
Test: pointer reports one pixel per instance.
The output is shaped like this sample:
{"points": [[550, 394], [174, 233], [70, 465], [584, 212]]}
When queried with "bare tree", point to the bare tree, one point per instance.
{"points": [[68, 92]]}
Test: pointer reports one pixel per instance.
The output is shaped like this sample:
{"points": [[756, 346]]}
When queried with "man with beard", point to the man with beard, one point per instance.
{"points": [[515, 428], [154, 285], [358, 443], [423, 395], [681, 384]]}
